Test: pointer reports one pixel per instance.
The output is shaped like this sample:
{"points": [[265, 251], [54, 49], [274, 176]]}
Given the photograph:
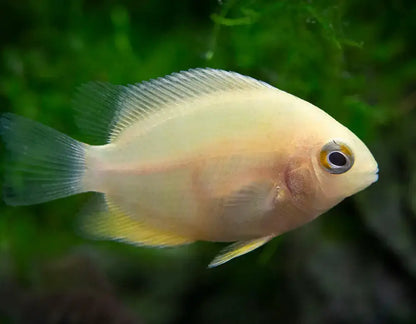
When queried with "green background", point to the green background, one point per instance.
{"points": [[355, 59]]}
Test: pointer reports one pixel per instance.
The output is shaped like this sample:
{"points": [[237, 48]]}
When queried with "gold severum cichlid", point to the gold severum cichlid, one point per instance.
{"points": [[198, 155]]}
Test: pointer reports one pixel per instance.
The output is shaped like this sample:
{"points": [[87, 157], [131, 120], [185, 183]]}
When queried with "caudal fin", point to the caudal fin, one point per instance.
{"points": [[44, 163]]}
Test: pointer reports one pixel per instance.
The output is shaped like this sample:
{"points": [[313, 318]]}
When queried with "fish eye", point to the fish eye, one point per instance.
{"points": [[336, 157]]}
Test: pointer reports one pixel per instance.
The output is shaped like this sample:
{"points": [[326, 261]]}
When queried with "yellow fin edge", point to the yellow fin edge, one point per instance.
{"points": [[237, 249], [114, 224]]}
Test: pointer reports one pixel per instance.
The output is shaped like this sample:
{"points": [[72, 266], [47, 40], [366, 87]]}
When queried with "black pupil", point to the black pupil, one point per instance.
{"points": [[337, 159]]}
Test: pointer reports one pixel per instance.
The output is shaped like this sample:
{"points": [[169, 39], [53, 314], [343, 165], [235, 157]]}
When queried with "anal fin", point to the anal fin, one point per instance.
{"points": [[237, 249], [109, 222]]}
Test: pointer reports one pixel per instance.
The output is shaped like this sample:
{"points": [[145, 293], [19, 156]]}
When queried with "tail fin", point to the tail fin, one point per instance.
{"points": [[44, 163]]}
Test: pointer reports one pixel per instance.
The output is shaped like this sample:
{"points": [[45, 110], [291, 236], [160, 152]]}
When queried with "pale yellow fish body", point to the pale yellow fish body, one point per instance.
{"points": [[237, 161]]}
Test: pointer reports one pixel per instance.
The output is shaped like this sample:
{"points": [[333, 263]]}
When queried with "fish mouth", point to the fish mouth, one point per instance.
{"points": [[375, 175]]}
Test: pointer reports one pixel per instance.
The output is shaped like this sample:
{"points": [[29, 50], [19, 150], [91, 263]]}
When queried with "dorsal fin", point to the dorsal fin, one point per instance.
{"points": [[106, 110], [96, 104]]}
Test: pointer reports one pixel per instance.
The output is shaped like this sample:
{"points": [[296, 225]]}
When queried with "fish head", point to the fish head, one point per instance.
{"points": [[342, 164]]}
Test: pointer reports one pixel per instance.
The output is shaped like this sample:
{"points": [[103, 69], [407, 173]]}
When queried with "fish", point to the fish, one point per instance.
{"points": [[197, 155]]}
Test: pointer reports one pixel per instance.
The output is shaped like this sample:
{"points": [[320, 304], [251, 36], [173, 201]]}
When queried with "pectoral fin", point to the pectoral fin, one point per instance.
{"points": [[239, 248], [251, 201]]}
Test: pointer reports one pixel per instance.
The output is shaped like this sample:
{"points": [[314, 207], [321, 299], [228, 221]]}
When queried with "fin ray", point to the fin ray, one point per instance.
{"points": [[254, 199], [46, 164], [108, 221], [95, 104], [237, 249], [105, 110]]}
